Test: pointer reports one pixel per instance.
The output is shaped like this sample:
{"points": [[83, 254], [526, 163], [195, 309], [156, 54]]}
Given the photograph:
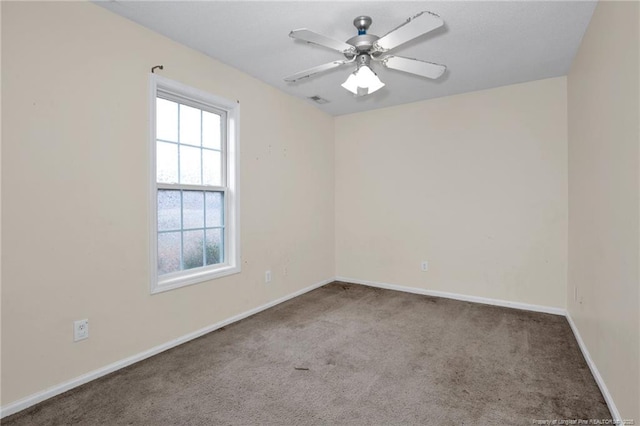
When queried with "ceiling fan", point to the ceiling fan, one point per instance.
{"points": [[366, 48]]}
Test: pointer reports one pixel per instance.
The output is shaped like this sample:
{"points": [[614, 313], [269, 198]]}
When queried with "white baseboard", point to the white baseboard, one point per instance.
{"points": [[615, 414], [35, 398], [456, 296]]}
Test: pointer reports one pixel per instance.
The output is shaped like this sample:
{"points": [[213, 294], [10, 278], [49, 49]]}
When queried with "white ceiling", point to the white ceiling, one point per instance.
{"points": [[483, 44]]}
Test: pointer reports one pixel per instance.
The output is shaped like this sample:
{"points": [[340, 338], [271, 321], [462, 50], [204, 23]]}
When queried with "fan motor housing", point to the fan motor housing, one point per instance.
{"points": [[363, 43]]}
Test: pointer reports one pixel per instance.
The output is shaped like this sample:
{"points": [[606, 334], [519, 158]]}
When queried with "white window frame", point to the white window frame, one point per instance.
{"points": [[231, 168]]}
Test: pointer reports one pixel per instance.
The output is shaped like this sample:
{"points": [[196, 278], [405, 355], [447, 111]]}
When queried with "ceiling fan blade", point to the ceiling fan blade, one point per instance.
{"points": [[315, 38], [315, 70], [414, 66], [420, 24]]}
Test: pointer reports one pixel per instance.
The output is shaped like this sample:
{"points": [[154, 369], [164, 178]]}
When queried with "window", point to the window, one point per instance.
{"points": [[194, 186]]}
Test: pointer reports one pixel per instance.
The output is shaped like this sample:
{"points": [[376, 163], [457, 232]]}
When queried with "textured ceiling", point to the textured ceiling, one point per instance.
{"points": [[483, 44]]}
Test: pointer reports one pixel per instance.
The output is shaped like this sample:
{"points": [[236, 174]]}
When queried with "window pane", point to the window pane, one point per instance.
{"points": [[215, 209], [168, 252], [168, 210], [193, 243], [210, 130], [167, 162], [193, 209], [214, 246], [166, 120], [190, 172], [189, 125], [212, 172]]}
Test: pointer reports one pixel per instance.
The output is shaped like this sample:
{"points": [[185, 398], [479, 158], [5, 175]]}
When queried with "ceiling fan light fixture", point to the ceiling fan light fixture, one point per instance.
{"points": [[363, 82], [364, 47]]}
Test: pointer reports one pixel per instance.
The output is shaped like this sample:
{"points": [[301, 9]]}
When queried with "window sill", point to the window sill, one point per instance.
{"points": [[189, 278]]}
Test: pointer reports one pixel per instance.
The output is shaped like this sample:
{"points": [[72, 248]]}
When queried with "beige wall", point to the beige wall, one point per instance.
{"points": [[476, 184], [74, 175], [603, 198]]}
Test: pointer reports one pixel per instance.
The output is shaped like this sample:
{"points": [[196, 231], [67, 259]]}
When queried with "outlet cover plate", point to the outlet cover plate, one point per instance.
{"points": [[80, 330]]}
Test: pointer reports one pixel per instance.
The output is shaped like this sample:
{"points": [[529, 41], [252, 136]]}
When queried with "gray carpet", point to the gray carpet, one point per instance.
{"points": [[349, 354]]}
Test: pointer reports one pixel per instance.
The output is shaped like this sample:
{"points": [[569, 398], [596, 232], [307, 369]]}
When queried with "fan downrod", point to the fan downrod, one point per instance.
{"points": [[363, 42], [362, 23]]}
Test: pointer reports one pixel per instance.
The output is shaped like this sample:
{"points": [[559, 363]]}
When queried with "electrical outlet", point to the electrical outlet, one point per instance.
{"points": [[424, 266], [267, 276], [80, 330]]}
